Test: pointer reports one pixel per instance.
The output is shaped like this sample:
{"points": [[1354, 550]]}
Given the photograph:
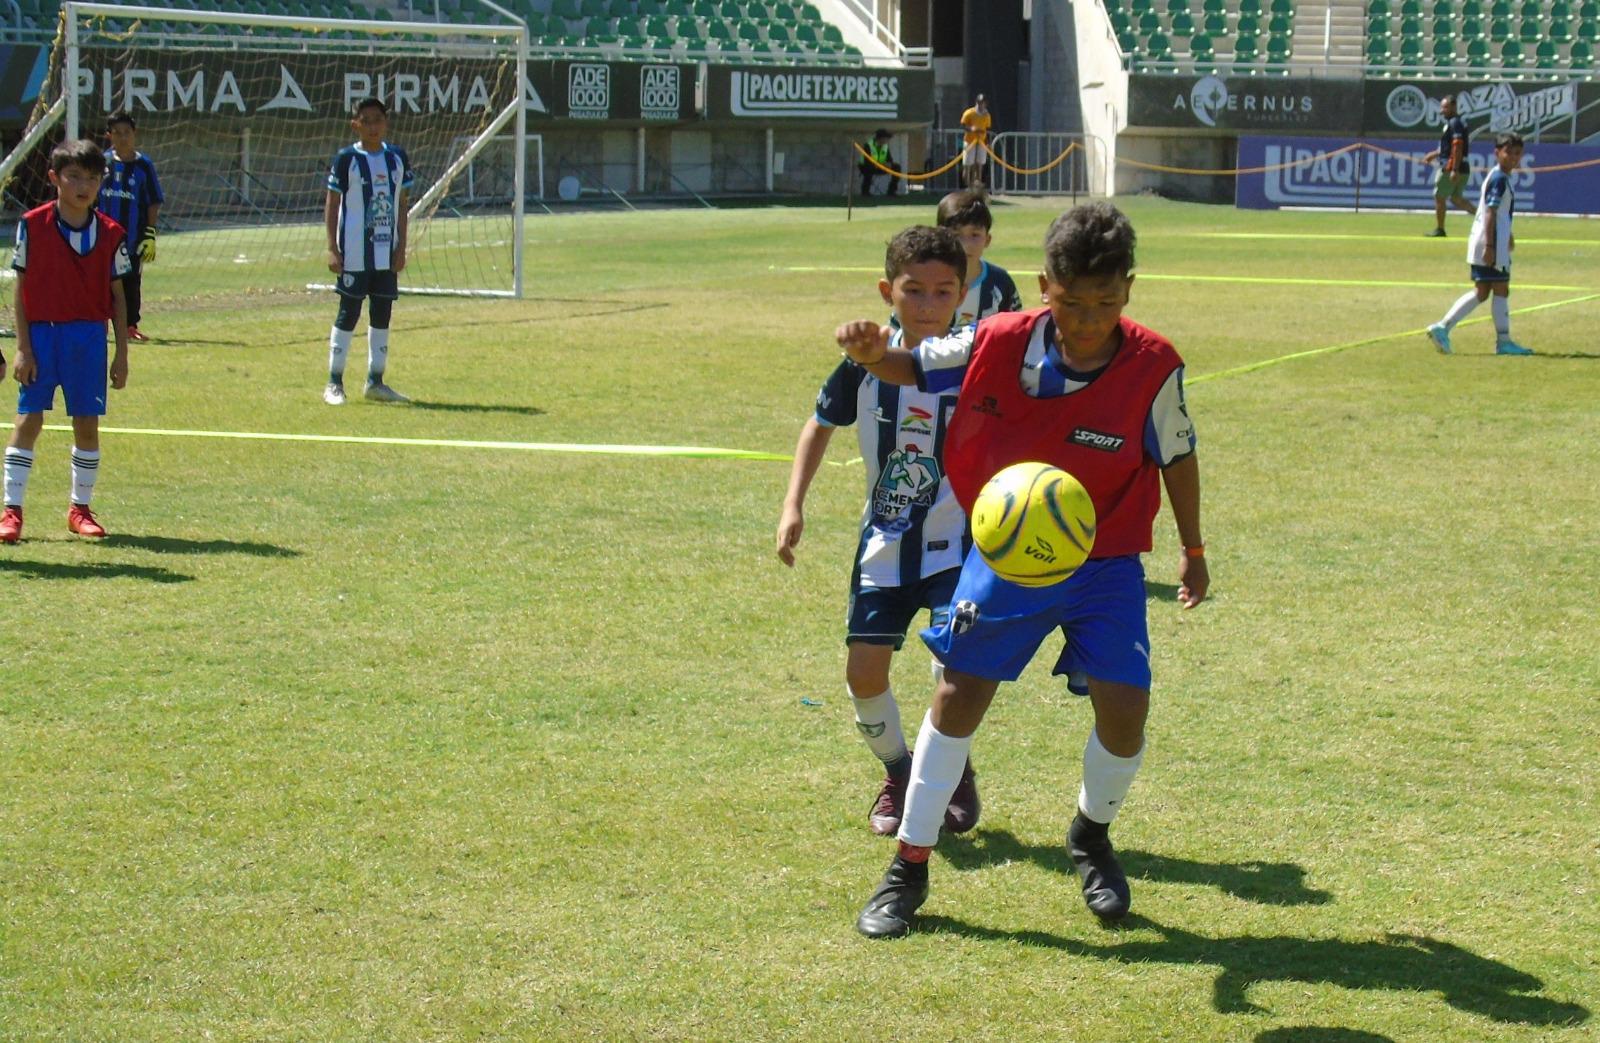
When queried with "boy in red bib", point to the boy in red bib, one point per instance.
{"points": [[1077, 385], [70, 260]]}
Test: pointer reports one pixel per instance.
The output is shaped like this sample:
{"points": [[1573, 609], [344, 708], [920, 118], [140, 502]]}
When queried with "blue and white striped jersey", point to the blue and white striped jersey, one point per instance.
{"points": [[991, 292], [128, 191], [369, 185], [912, 526], [81, 240]]}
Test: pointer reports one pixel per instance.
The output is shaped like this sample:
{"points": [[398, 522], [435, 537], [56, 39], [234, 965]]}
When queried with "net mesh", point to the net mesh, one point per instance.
{"points": [[242, 121]]}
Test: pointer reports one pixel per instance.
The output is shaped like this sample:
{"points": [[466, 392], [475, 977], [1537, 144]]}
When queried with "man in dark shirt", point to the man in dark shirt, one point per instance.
{"points": [[1451, 183]]}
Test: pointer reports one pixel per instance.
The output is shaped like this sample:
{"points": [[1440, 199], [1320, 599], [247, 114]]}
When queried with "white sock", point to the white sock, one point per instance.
{"points": [[377, 354], [936, 768], [1460, 309], [338, 351], [85, 468], [1106, 778], [878, 721], [19, 464], [1500, 307]]}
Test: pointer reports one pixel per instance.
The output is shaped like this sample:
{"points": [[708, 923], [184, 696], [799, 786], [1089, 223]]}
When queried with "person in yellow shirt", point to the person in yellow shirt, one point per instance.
{"points": [[975, 121]]}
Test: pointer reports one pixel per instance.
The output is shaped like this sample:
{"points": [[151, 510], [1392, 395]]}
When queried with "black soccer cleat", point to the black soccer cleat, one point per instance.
{"points": [[1105, 886], [962, 814], [890, 910]]}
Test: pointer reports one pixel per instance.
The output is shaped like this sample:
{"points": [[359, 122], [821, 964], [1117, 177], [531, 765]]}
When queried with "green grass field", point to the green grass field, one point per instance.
{"points": [[364, 741]]}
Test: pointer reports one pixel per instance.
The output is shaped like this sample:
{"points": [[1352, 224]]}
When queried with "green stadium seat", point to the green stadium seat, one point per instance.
{"points": [[1544, 55], [1500, 29], [1444, 50], [1201, 49], [749, 32], [1158, 48], [1149, 22], [597, 26], [592, 9], [1411, 27], [1471, 28], [1177, 7], [1278, 49], [565, 9], [1532, 31], [1216, 25], [1561, 30], [1281, 25], [1244, 51], [652, 9], [1182, 24], [1377, 25], [1580, 56], [1587, 31], [1444, 8], [1282, 7], [1378, 9], [1531, 9], [1214, 7], [1128, 42], [659, 28], [1500, 9], [1445, 26], [1141, 6], [1247, 26], [1410, 51], [1478, 53], [1511, 56], [1121, 21]]}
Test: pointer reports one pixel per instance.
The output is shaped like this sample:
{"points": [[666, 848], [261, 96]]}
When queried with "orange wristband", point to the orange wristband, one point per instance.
{"points": [[1195, 552]]}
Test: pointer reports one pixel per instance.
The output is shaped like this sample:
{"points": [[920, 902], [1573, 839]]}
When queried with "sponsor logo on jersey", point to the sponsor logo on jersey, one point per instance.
{"points": [[917, 421], [909, 481], [988, 406], [1092, 439]]}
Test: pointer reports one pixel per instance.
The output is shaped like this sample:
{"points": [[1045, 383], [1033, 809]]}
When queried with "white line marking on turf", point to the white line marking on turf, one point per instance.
{"points": [[452, 443]]}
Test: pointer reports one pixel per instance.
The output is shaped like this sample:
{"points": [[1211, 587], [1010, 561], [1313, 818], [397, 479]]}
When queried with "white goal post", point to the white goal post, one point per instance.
{"points": [[242, 114]]}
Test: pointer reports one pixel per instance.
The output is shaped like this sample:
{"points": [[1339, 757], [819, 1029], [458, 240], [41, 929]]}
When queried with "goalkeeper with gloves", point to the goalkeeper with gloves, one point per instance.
{"points": [[131, 196]]}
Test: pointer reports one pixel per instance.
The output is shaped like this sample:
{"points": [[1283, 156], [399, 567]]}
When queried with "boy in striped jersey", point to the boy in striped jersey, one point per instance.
{"points": [[366, 220], [70, 261], [131, 196], [914, 533], [990, 289]]}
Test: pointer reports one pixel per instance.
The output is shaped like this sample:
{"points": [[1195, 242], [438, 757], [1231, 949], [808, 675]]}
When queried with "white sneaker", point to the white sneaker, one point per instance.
{"points": [[381, 392], [333, 394]]}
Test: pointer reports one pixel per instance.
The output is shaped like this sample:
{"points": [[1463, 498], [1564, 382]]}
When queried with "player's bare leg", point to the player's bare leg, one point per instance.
{"points": [[1111, 759]]}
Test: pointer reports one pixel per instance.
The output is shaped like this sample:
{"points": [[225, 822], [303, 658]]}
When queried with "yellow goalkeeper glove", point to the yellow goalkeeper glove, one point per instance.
{"points": [[147, 245]]}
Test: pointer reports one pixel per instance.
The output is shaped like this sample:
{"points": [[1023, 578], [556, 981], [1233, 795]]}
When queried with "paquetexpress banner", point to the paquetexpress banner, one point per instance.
{"points": [[1382, 179], [774, 94], [1260, 103]]}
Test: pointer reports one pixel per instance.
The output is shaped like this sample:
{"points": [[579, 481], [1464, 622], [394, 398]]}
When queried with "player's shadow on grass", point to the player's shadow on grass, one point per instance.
{"points": [[474, 407], [108, 570], [1398, 962], [1160, 591], [177, 545], [1318, 1034], [1266, 883]]}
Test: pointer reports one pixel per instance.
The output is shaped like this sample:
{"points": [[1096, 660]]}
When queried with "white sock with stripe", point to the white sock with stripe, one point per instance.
{"points": [[338, 351], [18, 466], [1500, 307], [85, 469], [377, 354], [878, 721]]}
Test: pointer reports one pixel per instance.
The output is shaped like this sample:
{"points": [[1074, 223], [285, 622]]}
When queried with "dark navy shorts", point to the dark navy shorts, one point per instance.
{"points": [[996, 626], [882, 615], [71, 356], [385, 284], [1487, 273]]}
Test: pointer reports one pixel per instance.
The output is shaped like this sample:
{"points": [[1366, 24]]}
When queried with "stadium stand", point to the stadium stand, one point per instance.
{"points": [[1396, 37], [719, 30]]}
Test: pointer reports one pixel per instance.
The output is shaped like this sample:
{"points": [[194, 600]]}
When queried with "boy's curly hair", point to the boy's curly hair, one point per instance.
{"points": [[1093, 239], [920, 243]]}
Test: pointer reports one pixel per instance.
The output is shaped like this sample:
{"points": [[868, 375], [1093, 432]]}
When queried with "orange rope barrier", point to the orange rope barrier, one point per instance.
{"points": [[900, 173], [1021, 170]]}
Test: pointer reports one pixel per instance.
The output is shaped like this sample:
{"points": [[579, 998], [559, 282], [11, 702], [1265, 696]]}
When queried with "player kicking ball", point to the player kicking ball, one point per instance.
{"points": [[365, 214], [1078, 386]]}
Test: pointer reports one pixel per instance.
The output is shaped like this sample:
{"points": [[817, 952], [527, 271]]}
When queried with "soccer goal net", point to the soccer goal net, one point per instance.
{"points": [[242, 115]]}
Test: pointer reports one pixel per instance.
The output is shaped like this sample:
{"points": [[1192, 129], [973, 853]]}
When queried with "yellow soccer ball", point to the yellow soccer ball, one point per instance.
{"points": [[1034, 524]]}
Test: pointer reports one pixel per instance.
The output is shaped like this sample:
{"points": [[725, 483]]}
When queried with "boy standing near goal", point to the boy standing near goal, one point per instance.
{"points": [[71, 260], [365, 215], [131, 196], [1077, 385], [914, 533], [1489, 253]]}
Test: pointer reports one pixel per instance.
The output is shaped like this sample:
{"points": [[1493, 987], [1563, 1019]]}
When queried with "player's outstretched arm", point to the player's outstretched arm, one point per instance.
{"points": [[808, 453], [1182, 480], [867, 344]]}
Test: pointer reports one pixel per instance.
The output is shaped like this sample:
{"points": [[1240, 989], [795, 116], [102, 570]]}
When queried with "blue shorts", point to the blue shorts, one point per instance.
{"points": [[71, 356], [384, 283], [882, 615], [1488, 273], [995, 626]]}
